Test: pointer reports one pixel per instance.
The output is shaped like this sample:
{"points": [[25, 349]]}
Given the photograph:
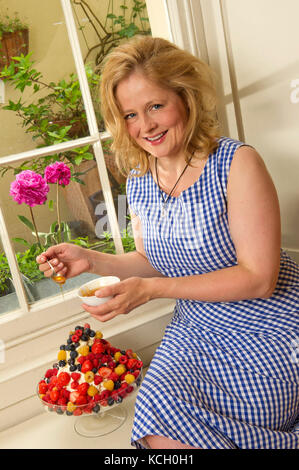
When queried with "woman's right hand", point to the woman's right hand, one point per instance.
{"points": [[67, 259]]}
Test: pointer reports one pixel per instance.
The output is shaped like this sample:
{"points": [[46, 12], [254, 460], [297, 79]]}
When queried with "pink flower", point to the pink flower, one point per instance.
{"points": [[58, 172], [29, 187]]}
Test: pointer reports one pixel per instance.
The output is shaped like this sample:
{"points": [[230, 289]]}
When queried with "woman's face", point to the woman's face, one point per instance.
{"points": [[155, 117]]}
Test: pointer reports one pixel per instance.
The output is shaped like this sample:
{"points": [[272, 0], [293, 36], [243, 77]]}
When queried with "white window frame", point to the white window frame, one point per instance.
{"points": [[47, 309]]}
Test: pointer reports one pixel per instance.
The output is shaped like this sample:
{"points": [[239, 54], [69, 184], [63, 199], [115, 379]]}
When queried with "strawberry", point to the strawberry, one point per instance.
{"points": [[113, 376], [81, 359], [81, 400], [77, 412], [123, 359], [74, 396], [64, 378], [104, 372], [129, 353], [97, 348], [54, 395], [42, 388], [86, 366], [82, 389]]}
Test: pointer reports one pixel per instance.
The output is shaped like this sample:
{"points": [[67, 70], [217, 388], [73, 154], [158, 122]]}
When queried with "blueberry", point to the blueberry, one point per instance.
{"points": [[84, 338], [62, 347], [96, 408], [92, 333], [69, 341], [68, 413], [87, 331], [55, 366], [119, 400], [79, 367], [95, 370], [77, 345], [73, 368], [117, 385], [59, 411], [110, 401], [73, 354], [62, 363]]}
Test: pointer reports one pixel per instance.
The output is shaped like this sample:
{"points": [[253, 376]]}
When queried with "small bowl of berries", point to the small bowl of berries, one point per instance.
{"points": [[90, 379]]}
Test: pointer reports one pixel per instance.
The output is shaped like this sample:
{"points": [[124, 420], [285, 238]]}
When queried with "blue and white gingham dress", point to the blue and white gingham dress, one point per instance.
{"points": [[226, 374]]}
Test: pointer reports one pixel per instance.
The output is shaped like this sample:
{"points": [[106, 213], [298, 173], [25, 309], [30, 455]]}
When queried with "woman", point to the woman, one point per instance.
{"points": [[206, 224]]}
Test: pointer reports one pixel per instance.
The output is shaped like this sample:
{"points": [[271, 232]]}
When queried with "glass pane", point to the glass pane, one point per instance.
{"points": [[8, 296], [103, 25]]}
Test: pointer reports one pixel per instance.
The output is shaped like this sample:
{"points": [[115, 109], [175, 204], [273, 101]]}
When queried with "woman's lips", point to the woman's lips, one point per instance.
{"points": [[157, 139]]}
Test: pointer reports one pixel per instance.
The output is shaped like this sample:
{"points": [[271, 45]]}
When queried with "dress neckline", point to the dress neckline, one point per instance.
{"points": [[189, 187]]}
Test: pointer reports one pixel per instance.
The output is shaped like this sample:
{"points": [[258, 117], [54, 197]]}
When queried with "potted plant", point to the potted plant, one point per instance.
{"points": [[14, 39]]}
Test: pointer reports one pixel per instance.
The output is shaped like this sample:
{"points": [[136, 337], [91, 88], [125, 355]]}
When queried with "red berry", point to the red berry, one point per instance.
{"points": [[54, 395], [49, 373], [123, 359], [82, 389], [113, 376], [75, 338], [129, 353], [81, 359], [139, 364], [63, 378], [86, 366], [98, 379], [131, 363], [75, 376], [74, 396], [81, 400], [104, 394], [104, 372], [97, 348], [129, 389], [74, 385], [65, 393], [77, 412], [111, 364], [43, 387], [86, 325]]}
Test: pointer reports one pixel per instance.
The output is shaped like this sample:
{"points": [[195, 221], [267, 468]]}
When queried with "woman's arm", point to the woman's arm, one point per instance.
{"points": [[254, 221], [126, 265]]}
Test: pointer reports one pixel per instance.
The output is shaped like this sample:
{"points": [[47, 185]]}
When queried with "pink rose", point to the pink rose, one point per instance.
{"points": [[29, 187], [58, 172]]}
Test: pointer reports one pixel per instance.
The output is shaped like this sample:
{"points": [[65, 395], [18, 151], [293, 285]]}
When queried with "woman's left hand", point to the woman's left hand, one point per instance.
{"points": [[127, 295]]}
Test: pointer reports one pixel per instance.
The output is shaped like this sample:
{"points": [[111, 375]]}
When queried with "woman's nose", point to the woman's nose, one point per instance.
{"points": [[147, 124]]}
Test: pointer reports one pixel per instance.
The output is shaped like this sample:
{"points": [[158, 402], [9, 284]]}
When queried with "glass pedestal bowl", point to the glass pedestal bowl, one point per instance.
{"points": [[97, 418]]}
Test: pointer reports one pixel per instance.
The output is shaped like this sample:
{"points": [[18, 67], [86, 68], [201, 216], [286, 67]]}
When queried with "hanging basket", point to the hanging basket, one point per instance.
{"points": [[13, 45]]}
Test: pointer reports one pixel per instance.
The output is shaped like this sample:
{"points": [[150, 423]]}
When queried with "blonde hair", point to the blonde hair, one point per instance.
{"points": [[170, 67]]}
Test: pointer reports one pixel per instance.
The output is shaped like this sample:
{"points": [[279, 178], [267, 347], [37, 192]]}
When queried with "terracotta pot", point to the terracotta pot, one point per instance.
{"points": [[13, 44]]}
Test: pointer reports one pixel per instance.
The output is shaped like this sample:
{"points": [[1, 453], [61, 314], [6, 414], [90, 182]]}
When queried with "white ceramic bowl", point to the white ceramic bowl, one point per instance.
{"points": [[100, 282]]}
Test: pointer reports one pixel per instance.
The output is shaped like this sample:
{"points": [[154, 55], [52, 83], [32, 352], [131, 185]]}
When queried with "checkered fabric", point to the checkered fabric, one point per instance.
{"points": [[226, 374]]}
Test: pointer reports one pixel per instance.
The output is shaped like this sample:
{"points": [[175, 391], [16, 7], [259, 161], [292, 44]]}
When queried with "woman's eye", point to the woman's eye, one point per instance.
{"points": [[157, 106], [130, 116]]}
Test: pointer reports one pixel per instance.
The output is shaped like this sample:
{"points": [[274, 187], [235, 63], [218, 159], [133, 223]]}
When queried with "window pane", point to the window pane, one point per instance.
{"points": [[8, 296]]}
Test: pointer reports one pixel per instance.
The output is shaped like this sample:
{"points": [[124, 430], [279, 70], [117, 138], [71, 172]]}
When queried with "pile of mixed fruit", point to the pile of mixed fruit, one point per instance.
{"points": [[90, 374]]}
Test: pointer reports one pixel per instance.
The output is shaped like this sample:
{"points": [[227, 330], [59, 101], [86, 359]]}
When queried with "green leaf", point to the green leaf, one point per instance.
{"points": [[21, 240], [26, 222]]}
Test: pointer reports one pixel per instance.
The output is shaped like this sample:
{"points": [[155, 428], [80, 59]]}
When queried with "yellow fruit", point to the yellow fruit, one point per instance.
{"points": [[109, 385], [83, 350], [134, 355], [117, 355], [61, 356], [129, 378], [92, 391], [99, 334], [120, 369], [71, 407], [89, 376]]}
